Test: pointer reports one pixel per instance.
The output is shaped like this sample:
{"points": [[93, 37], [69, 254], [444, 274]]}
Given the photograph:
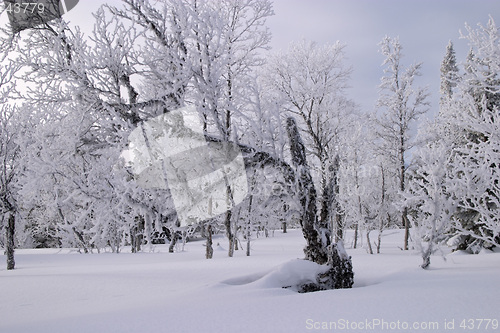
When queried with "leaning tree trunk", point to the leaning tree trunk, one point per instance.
{"points": [[327, 202], [81, 238], [9, 233], [339, 272], [315, 249], [369, 242]]}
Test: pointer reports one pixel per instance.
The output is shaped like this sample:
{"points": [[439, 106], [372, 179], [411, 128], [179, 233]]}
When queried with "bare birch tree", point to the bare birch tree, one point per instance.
{"points": [[401, 104]]}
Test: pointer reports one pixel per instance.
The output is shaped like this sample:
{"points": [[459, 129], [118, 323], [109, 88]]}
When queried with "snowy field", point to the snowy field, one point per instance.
{"points": [[63, 291]]}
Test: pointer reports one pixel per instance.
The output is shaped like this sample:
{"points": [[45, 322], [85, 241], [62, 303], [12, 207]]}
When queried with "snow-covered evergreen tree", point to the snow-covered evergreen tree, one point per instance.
{"points": [[473, 118], [449, 74], [476, 179]]}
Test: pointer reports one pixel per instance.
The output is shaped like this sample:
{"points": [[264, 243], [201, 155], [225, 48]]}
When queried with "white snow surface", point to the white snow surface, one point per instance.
{"points": [[54, 290]]}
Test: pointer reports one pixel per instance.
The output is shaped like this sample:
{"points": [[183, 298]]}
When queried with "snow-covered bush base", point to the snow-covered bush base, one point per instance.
{"points": [[293, 275], [297, 275], [304, 276], [337, 272]]}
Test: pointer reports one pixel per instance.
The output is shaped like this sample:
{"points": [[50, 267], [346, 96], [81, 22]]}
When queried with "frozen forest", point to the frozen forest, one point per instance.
{"points": [[71, 101], [173, 123]]}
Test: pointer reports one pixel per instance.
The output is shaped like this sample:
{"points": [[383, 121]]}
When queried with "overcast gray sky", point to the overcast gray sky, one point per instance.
{"points": [[424, 28]]}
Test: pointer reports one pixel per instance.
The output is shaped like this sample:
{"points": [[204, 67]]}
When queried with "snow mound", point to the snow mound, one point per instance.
{"points": [[292, 275], [244, 280]]}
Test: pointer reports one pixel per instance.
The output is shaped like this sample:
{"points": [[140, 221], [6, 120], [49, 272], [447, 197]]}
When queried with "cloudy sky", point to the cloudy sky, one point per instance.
{"points": [[423, 26]]}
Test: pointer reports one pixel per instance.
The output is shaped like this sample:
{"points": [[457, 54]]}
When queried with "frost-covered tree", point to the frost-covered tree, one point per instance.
{"points": [[310, 80], [227, 37], [365, 187], [473, 116], [428, 199], [401, 104], [11, 128], [214, 46], [317, 243], [353, 188], [481, 68], [271, 203], [138, 63], [10, 168], [160, 84], [354, 170], [318, 248], [476, 183], [86, 106]]}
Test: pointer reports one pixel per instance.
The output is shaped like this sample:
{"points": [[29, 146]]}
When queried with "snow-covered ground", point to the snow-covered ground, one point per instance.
{"points": [[63, 291]]}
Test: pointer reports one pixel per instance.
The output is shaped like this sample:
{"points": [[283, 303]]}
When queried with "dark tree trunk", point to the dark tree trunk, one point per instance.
{"points": [[80, 237], [209, 249], [133, 239], [406, 223], [402, 170], [229, 233], [227, 222], [248, 234], [339, 218], [283, 220], [9, 233], [426, 258], [330, 207], [339, 227], [314, 250], [339, 274], [327, 200], [173, 242], [379, 240], [356, 227], [236, 240], [327, 205], [360, 209], [381, 216], [136, 234], [174, 237]]}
